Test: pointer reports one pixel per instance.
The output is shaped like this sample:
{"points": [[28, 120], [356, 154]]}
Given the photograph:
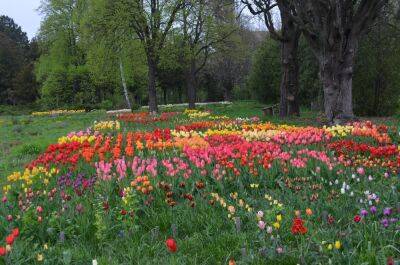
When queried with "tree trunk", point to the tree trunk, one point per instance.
{"points": [[152, 89], [191, 84], [289, 103], [337, 80], [289, 89], [228, 86], [180, 95], [121, 69], [164, 95]]}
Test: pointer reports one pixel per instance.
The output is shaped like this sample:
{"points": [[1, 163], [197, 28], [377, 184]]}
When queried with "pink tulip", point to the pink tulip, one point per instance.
{"points": [[261, 225]]}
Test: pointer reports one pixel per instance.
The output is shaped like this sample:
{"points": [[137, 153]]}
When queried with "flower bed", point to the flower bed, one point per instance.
{"points": [[300, 194], [145, 117], [57, 112]]}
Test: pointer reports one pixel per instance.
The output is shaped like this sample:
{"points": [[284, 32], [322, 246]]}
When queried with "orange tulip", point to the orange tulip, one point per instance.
{"points": [[309, 212]]}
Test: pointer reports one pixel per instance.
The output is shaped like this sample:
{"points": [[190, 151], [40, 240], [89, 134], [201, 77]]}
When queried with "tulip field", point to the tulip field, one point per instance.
{"points": [[199, 187]]}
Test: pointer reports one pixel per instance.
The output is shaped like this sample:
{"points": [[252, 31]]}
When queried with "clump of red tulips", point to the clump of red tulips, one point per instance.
{"points": [[10, 239]]}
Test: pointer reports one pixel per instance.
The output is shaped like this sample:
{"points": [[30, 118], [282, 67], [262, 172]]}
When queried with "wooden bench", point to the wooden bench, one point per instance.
{"points": [[271, 110]]}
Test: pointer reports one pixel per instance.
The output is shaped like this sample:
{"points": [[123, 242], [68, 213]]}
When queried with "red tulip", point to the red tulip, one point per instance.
{"points": [[390, 261], [10, 239], [171, 245], [39, 209], [15, 232], [357, 218], [331, 219], [3, 251], [298, 227]]}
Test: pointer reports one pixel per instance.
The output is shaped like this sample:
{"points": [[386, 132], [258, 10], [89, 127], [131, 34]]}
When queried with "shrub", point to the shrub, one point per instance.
{"points": [[28, 149], [106, 104], [135, 106]]}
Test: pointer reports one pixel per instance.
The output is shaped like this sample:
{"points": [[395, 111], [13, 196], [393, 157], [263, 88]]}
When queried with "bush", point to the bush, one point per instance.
{"points": [[106, 104], [241, 93], [135, 107], [55, 92], [28, 149], [25, 109], [264, 80]]}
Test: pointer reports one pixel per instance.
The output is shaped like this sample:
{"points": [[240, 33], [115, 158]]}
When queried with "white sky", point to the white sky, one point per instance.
{"points": [[24, 13]]}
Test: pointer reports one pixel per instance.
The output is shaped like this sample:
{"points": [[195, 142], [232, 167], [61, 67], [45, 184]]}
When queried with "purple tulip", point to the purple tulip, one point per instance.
{"points": [[373, 209], [363, 212], [385, 222], [387, 211], [79, 208]]}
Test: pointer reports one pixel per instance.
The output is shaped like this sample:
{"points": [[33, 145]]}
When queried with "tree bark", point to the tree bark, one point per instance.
{"points": [[191, 84], [164, 95], [121, 69], [152, 89], [180, 95], [337, 80], [289, 39], [289, 88], [228, 87]]}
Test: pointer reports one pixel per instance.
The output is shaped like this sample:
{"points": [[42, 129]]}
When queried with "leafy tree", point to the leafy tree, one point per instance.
{"points": [[171, 74], [17, 83], [108, 41], [229, 60], [151, 21], [201, 34], [14, 32], [264, 77], [61, 68], [377, 70]]}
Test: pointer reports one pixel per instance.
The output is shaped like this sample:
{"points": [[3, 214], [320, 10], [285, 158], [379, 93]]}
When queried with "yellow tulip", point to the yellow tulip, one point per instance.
{"points": [[338, 245], [279, 217]]}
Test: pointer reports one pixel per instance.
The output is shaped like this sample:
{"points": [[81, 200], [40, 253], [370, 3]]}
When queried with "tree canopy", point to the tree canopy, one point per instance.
{"points": [[125, 53]]}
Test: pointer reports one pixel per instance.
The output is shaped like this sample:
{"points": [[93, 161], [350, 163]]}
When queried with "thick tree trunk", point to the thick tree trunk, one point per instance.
{"points": [[121, 69], [191, 84], [337, 79], [289, 103], [152, 89]]}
